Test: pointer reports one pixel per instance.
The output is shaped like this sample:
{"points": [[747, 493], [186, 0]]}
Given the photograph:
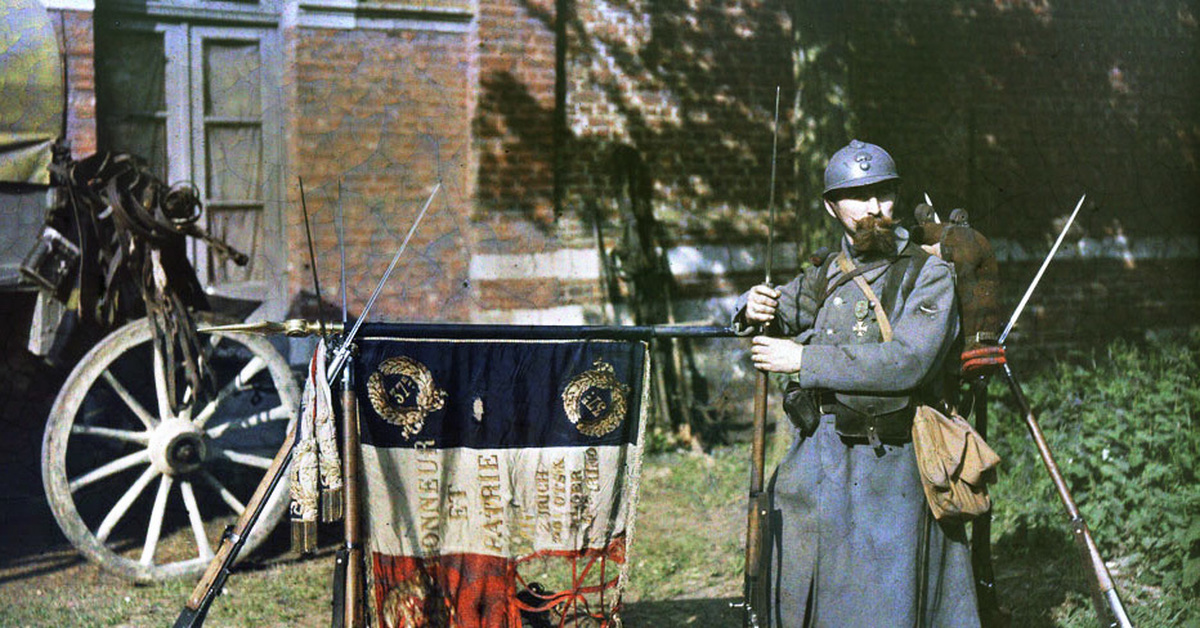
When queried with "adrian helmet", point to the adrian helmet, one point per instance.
{"points": [[857, 164]]}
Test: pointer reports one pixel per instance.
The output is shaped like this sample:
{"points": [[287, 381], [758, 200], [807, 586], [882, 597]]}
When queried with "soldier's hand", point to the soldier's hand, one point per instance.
{"points": [[761, 303], [776, 355]]}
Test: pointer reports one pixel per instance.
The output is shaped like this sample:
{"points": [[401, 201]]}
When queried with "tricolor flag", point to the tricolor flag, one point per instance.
{"points": [[499, 478]]}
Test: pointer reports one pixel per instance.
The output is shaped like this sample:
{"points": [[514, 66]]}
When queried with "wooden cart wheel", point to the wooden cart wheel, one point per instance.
{"points": [[146, 492]]}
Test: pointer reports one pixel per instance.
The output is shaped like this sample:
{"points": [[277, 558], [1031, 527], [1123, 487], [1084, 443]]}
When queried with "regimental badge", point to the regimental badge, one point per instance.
{"points": [[403, 392], [595, 400], [860, 310]]}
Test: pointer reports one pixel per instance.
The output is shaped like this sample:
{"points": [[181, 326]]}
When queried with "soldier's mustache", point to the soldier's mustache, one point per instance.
{"points": [[875, 235]]}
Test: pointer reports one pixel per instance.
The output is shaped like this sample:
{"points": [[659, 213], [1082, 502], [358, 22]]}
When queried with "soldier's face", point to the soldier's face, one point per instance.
{"points": [[853, 204]]}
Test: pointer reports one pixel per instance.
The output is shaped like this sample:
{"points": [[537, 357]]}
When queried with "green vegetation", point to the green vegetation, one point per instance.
{"points": [[1122, 424]]}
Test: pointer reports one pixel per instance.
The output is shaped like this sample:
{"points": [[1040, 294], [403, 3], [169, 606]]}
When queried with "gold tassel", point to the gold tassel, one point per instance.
{"points": [[304, 536], [332, 500]]}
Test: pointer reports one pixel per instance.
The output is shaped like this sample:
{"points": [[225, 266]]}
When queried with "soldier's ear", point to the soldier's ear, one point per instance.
{"points": [[829, 207]]}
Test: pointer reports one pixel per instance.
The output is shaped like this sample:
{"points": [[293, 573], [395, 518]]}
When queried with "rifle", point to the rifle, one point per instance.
{"points": [[754, 599], [348, 580], [196, 608], [1109, 610]]}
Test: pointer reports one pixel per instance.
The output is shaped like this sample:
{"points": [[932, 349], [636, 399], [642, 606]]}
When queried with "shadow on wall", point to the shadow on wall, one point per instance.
{"points": [[691, 88], [1011, 109]]}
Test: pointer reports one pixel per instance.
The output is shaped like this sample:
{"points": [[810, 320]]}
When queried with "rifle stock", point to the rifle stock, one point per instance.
{"points": [[990, 613], [753, 592], [210, 585], [349, 592]]}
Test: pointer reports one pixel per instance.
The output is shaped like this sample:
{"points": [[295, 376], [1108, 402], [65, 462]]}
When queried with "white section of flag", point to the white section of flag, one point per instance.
{"points": [[498, 502]]}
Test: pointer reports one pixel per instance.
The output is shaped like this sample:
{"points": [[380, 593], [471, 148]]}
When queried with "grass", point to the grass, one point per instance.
{"points": [[687, 565]]}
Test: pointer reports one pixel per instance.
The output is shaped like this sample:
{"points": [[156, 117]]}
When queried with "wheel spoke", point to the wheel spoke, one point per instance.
{"points": [[229, 498], [154, 529], [115, 466], [122, 506], [185, 407], [252, 368], [249, 460], [130, 436], [193, 510], [138, 409], [160, 385], [278, 413]]}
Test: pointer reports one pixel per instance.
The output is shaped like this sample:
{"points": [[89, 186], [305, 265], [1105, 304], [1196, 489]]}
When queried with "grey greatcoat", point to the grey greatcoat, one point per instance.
{"points": [[846, 520]]}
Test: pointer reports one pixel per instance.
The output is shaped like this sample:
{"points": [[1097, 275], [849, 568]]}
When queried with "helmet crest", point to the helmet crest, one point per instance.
{"points": [[857, 164]]}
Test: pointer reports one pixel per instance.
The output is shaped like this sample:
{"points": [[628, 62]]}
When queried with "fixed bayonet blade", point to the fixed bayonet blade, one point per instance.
{"points": [[343, 352], [1038, 277], [312, 259], [771, 201], [342, 247]]}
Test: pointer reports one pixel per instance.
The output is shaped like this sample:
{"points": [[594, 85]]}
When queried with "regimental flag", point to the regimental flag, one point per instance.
{"points": [[499, 478]]}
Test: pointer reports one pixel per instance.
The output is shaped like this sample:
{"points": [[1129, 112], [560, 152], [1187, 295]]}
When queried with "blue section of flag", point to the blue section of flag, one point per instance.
{"points": [[498, 394]]}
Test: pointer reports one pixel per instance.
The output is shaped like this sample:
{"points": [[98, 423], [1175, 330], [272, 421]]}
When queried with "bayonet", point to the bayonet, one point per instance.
{"points": [[312, 258], [300, 327], [1038, 277], [342, 247], [937, 220], [771, 201], [343, 351], [753, 592], [196, 608], [1105, 599]]}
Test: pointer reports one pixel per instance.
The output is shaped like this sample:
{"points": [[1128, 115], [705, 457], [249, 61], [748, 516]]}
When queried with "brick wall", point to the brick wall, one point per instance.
{"points": [[689, 86], [75, 29], [513, 127], [1014, 109], [388, 113], [1011, 109]]}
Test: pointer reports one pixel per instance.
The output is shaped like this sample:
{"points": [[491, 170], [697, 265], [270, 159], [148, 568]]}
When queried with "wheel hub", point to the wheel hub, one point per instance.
{"points": [[177, 447]]}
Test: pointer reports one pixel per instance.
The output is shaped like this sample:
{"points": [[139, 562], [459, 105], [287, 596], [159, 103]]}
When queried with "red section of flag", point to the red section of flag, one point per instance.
{"points": [[475, 590], [452, 591]]}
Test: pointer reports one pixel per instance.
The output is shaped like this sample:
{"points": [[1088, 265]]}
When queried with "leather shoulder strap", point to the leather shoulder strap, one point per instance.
{"points": [[885, 326]]}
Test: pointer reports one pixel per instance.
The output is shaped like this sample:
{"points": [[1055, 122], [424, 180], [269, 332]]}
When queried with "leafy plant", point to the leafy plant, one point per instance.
{"points": [[1123, 428]]}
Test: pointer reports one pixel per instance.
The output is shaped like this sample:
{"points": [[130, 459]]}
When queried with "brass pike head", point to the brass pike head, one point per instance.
{"points": [[294, 327]]}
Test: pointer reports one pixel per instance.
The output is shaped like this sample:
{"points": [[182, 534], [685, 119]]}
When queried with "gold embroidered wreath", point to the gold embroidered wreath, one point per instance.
{"points": [[602, 376], [429, 397]]}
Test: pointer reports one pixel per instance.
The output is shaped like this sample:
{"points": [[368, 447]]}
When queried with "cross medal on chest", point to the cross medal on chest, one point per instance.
{"points": [[860, 312]]}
